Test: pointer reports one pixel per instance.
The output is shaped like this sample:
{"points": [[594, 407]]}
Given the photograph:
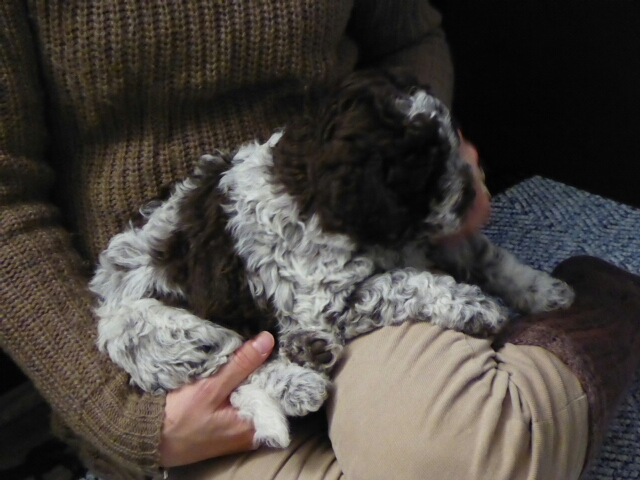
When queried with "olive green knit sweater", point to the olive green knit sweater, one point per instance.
{"points": [[103, 103]]}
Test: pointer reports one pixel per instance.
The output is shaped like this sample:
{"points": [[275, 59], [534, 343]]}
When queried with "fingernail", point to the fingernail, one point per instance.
{"points": [[263, 343]]}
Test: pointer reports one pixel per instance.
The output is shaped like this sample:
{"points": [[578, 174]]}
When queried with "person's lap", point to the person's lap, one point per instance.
{"points": [[419, 402]]}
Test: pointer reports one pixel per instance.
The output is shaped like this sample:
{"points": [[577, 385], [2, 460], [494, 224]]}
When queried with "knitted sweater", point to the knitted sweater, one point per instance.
{"points": [[102, 104]]}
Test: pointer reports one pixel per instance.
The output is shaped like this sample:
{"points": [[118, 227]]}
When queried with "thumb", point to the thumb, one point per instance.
{"points": [[244, 361]]}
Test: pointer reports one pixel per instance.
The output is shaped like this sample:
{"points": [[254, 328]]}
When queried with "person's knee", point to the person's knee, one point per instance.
{"points": [[417, 402], [407, 400]]}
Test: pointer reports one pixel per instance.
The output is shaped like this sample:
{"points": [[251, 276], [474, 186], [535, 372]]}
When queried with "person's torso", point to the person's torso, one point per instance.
{"points": [[137, 91]]}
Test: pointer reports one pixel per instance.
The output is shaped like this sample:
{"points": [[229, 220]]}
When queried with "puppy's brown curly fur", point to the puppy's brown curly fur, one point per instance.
{"points": [[358, 162], [200, 257]]}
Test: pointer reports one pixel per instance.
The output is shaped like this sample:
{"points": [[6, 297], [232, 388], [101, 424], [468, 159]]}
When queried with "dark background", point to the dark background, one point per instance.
{"points": [[542, 87], [550, 88]]}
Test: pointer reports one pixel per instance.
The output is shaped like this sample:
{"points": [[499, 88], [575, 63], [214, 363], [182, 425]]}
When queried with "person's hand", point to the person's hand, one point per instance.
{"points": [[200, 422], [480, 211]]}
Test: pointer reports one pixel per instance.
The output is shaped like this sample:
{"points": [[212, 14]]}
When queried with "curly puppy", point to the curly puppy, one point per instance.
{"points": [[323, 233]]}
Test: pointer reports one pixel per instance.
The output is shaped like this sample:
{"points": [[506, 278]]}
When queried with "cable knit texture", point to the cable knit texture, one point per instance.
{"points": [[104, 103]]}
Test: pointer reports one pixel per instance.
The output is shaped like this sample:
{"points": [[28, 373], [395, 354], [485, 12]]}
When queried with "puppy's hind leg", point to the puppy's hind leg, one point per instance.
{"points": [[162, 347]]}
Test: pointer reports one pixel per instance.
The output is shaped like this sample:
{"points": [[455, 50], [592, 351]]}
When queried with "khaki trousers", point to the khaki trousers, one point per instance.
{"points": [[418, 402]]}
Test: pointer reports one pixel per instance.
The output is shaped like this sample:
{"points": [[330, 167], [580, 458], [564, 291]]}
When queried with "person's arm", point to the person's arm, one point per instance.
{"points": [[404, 33], [46, 322]]}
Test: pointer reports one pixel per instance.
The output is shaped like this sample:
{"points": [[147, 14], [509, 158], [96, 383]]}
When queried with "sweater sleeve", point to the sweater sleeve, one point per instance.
{"points": [[404, 33], [46, 322]]}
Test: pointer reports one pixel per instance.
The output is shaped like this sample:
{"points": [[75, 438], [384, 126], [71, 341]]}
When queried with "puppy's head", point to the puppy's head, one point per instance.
{"points": [[378, 160]]}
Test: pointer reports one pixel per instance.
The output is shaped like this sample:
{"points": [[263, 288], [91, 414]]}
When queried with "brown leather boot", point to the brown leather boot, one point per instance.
{"points": [[598, 338]]}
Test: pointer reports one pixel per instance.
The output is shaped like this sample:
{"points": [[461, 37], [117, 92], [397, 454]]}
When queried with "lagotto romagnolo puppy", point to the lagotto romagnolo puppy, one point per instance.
{"points": [[323, 233]]}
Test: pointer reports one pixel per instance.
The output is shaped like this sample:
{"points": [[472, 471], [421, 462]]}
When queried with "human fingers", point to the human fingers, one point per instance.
{"points": [[244, 362], [194, 429], [480, 210], [469, 152]]}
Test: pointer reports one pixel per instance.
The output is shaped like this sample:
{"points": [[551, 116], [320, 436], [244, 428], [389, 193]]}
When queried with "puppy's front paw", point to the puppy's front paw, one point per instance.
{"points": [[316, 349], [560, 295], [269, 421], [483, 317], [305, 392], [298, 390], [271, 434], [468, 309], [545, 294]]}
